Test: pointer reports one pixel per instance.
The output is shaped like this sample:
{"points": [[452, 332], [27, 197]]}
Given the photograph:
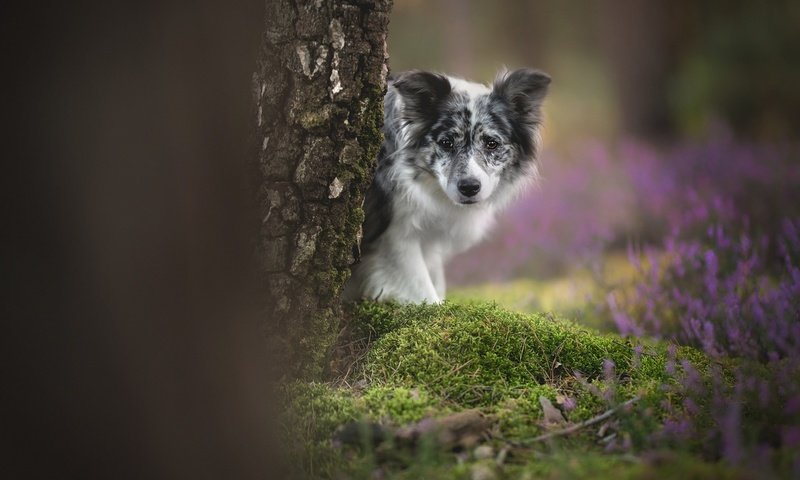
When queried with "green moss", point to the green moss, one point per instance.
{"points": [[374, 319], [355, 219], [587, 404], [370, 136], [576, 464], [315, 410], [581, 464], [357, 138], [432, 471], [315, 345], [520, 416], [400, 405], [429, 360], [316, 118], [477, 354]]}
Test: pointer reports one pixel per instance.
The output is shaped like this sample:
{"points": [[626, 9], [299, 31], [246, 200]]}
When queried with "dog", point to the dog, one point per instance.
{"points": [[454, 154]]}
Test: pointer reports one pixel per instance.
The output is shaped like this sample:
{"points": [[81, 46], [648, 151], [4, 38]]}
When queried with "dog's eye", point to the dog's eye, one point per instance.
{"points": [[446, 143], [491, 144]]}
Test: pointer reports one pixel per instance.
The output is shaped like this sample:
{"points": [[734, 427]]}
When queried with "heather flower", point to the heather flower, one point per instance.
{"points": [[717, 255]]}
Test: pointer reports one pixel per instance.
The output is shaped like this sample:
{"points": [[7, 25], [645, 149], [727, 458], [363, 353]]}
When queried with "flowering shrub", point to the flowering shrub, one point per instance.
{"points": [[713, 234], [720, 292], [725, 278], [717, 292], [595, 198]]}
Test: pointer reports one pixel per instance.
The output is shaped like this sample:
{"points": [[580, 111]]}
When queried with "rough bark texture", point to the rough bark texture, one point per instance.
{"points": [[319, 89]]}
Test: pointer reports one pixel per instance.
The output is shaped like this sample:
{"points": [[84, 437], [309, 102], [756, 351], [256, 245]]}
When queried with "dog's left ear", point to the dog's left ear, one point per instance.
{"points": [[523, 90]]}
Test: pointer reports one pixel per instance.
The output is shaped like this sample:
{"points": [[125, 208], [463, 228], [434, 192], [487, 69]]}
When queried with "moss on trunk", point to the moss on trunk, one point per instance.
{"points": [[318, 92]]}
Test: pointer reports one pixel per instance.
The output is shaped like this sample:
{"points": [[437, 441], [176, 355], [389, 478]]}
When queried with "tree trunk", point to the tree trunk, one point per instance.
{"points": [[319, 109], [641, 41]]}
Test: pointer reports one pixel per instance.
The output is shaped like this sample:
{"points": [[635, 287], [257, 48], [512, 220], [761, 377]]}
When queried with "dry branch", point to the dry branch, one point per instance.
{"points": [[574, 428]]}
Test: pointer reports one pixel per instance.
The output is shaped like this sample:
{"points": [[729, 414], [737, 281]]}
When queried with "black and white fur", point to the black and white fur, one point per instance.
{"points": [[454, 153]]}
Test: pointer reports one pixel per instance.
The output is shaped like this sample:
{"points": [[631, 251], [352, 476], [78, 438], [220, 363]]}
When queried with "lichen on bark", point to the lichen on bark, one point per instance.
{"points": [[318, 93]]}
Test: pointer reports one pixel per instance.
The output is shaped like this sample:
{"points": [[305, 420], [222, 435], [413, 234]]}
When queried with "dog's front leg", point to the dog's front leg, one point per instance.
{"points": [[409, 280], [435, 264]]}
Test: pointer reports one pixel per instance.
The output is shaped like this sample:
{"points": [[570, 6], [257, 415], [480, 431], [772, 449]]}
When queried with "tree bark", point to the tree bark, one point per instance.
{"points": [[319, 90]]}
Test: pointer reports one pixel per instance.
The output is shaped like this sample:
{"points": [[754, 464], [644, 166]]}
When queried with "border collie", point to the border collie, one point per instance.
{"points": [[454, 154]]}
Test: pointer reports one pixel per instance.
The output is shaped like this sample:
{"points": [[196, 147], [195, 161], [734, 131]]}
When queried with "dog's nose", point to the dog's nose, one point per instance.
{"points": [[469, 187]]}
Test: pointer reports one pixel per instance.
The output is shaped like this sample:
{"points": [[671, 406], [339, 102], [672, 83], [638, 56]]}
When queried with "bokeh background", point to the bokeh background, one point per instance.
{"points": [[650, 99], [655, 69]]}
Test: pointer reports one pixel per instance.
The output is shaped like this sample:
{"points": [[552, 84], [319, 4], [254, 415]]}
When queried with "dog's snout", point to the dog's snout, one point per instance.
{"points": [[469, 187]]}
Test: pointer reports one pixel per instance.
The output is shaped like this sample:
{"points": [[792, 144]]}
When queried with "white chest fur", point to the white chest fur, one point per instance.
{"points": [[407, 261]]}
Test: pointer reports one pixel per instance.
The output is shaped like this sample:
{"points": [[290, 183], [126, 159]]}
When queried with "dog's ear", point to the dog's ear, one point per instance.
{"points": [[422, 94], [523, 90]]}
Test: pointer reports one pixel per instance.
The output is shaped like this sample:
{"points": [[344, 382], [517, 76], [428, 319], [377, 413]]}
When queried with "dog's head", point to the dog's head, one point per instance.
{"points": [[475, 140]]}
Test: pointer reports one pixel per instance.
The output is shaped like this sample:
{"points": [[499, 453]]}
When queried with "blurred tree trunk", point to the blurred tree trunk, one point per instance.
{"points": [[525, 30], [641, 41], [319, 90], [459, 52]]}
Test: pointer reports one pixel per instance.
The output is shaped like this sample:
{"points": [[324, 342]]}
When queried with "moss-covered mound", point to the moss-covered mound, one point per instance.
{"points": [[476, 354], [430, 360]]}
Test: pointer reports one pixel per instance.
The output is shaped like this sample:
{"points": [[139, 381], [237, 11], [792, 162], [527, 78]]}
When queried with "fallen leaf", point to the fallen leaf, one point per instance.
{"points": [[552, 415], [482, 472], [483, 452]]}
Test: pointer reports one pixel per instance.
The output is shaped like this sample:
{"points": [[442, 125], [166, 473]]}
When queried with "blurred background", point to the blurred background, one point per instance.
{"points": [[655, 69], [656, 107], [133, 353]]}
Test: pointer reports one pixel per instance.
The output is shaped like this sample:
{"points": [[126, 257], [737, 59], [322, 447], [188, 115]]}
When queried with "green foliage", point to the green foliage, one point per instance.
{"points": [[400, 405], [477, 354], [430, 360], [582, 464], [519, 417], [314, 412]]}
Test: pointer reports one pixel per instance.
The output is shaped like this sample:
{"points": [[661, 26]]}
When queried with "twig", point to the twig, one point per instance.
{"points": [[578, 426], [501, 457]]}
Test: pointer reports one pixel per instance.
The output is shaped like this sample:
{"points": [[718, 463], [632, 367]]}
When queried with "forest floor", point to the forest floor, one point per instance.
{"points": [[483, 390], [677, 356]]}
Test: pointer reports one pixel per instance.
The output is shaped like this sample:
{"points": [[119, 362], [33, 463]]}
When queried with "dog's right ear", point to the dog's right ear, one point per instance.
{"points": [[422, 94]]}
